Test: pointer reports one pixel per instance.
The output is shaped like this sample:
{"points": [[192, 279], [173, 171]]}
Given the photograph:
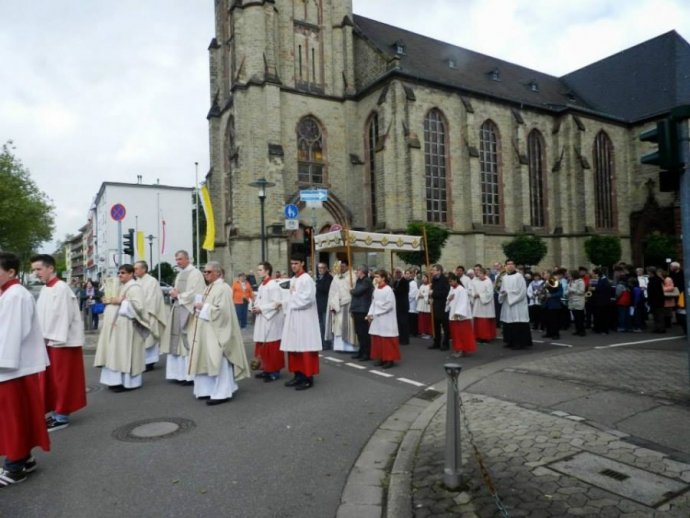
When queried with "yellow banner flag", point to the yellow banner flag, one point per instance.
{"points": [[141, 250], [209, 242]]}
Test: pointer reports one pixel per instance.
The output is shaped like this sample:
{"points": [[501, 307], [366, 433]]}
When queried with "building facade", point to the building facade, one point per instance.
{"points": [[162, 213], [400, 127]]}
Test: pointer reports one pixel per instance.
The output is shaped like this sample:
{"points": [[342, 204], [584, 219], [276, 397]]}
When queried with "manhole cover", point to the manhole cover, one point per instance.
{"points": [[153, 429], [630, 482]]}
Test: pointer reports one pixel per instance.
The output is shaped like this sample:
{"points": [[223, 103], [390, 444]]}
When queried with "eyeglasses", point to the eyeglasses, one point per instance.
{"points": [[208, 271]]}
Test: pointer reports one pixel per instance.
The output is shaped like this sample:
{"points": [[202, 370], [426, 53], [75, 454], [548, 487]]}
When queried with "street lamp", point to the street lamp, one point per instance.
{"points": [[262, 184]]}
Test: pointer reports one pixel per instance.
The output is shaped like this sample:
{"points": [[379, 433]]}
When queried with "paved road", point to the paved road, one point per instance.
{"points": [[270, 452]]}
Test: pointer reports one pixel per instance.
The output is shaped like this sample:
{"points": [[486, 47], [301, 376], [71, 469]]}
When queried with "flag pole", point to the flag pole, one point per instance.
{"points": [[196, 199]]}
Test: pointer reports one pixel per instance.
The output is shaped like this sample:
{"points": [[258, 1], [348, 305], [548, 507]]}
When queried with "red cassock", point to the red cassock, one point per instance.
{"points": [[305, 362], [424, 323], [63, 383], [385, 348], [485, 328], [462, 335], [21, 399], [272, 358]]}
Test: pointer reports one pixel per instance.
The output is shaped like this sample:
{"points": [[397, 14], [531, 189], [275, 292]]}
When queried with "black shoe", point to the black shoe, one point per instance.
{"points": [[117, 388], [204, 397], [186, 383], [30, 465], [7, 478], [293, 382], [260, 375], [356, 356], [271, 377], [150, 367], [387, 365], [365, 359], [378, 363], [304, 385], [214, 402]]}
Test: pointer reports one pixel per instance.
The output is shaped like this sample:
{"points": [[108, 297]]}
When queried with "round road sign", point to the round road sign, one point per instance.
{"points": [[118, 212]]}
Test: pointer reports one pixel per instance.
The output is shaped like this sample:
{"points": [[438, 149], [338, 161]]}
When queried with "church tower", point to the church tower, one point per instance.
{"points": [[282, 80]]}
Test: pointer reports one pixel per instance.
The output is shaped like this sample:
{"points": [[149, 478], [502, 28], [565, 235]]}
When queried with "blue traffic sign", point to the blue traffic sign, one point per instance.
{"points": [[291, 211], [118, 212], [314, 195]]}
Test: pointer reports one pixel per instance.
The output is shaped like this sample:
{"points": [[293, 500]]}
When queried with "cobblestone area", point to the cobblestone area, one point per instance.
{"points": [[517, 444], [661, 375]]}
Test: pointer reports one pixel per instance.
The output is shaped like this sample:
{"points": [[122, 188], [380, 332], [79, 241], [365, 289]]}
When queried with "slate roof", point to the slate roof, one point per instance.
{"points": [[640, 82], [624, 86]]}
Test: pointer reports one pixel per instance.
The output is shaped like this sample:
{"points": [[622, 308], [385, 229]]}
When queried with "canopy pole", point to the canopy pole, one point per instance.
{"points": [[428, 273]]}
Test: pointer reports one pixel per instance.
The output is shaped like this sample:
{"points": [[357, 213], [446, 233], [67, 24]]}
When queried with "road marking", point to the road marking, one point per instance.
{"points": [[354, 365], [652, 340], [336, 360], [379, 373], [561, 345], [411, 382]]}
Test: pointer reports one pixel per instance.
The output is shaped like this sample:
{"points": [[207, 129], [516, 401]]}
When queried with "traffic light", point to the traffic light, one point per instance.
{"points": [[128, 243], [667, 155]]}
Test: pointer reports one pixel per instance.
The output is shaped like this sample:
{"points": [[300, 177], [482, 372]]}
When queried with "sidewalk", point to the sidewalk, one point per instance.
{"points": [[577, 432]]}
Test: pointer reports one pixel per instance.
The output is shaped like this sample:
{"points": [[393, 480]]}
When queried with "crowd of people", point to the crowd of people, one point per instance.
{"points": [[369, 314]]}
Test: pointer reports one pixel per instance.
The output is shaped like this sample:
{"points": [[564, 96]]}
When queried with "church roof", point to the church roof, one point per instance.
{"points": [[641, 82], [625, 86]]}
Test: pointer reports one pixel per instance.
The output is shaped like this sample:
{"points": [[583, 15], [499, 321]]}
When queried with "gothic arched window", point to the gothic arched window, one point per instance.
{"points": [[535, 156], [310, 156], [488, 166], [372, 137], [603, 181], [435, 167]]}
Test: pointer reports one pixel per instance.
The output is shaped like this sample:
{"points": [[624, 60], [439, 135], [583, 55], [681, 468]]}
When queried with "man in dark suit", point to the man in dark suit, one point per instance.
{"points": [[359, 307], [656, 299], [323, 285], [439, 293], [401, 289]]}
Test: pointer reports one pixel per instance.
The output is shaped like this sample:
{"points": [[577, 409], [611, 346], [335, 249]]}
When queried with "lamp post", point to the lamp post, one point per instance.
{"points": [[262, 184]]}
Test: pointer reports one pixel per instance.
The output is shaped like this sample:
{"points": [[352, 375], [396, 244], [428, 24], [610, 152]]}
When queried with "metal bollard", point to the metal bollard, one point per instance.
{"points": [[452, 472]]}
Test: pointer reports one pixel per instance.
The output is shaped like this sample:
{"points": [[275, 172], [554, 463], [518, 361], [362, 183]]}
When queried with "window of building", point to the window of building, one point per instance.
{"points": [[603, 181], [435, 166], [535, 156], [372, 138], [488, 165], [310, 159]]}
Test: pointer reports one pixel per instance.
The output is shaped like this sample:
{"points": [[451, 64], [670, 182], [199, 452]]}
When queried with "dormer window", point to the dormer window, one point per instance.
{"points": [[533, 85], [452, 63], [495, 75], [399, 47], [571, 97]]}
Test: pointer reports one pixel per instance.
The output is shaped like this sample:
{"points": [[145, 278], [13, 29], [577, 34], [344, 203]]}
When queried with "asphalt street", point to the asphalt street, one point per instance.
{"points": [[271, 451]]}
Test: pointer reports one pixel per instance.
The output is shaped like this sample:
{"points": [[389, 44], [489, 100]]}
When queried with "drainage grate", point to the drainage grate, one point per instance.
{"points": [[614, 474]]}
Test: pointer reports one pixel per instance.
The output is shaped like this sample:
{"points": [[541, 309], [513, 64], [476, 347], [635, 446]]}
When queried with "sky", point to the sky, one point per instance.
{"points": [[105, 90]]}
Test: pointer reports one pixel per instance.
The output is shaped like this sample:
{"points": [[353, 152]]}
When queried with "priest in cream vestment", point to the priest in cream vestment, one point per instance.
{"points": [[121, 343], [218, 358], [189, 286], [339, 324], [156, 310]]}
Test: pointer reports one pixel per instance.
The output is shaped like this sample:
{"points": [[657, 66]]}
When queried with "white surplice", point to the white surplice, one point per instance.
{"points": [[59, 316], [483, 293], [513, 299], [301, 331], [268, 325], [385, 322], [458, 304]]}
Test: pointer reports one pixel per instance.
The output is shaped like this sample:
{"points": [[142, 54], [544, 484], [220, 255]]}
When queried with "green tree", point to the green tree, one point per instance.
{"points": [[436, 236], [603, 250], [525, 249], [26, 213], [167, 273], [658, 247]]}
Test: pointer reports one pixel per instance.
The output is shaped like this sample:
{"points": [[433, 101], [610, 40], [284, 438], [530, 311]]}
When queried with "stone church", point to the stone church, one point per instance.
{"points": [[399, 127]]}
